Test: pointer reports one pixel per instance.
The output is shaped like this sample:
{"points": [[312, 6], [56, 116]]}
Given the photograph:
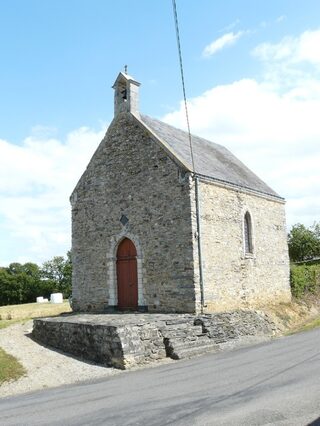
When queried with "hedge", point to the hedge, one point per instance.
{"points": [[304, 279]]}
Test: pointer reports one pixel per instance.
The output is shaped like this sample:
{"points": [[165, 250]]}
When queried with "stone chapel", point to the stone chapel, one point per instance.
{"points": [[152, 234]]}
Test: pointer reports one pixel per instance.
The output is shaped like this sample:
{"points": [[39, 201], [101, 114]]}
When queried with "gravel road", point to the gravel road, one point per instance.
{"points": [[45, 367]]}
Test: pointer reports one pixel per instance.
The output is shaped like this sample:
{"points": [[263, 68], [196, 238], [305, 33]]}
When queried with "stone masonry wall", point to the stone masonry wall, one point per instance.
{"points": [[103, 339], [131, 178], [232, 279], [126, 340]]}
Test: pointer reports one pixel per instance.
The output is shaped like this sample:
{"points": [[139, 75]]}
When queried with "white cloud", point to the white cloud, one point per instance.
{"points": [[271, 127], [293, 50], [36, 180], [220, 43]]}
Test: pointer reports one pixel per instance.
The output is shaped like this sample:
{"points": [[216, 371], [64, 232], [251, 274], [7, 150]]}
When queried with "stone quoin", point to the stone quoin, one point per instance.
{"points": [[151, 233]]}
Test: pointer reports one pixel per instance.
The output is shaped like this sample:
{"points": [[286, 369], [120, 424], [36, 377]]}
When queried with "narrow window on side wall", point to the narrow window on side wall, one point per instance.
{"points": [[247, 234]]}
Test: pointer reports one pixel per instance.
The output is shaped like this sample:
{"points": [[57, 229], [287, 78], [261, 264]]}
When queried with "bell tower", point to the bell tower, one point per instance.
{"points": [[126, 94]]}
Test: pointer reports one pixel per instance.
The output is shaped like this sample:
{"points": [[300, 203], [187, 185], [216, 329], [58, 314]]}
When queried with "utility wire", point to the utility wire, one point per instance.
{"points": [[182, 79], [192, 158]]}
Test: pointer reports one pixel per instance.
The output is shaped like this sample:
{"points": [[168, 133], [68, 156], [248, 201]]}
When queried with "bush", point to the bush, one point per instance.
{"points": [[304, 279], [23, 283], [304, 243]]}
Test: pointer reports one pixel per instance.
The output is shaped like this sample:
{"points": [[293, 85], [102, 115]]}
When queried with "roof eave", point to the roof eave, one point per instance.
{"points": [[241, 188], [126, 77]]}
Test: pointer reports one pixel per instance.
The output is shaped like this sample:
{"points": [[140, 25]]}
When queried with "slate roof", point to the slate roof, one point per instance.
{"points": [[211, 160]]}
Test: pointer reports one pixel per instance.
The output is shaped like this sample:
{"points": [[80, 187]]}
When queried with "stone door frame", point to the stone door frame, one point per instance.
{"points": [[127, 276], [112, 270]]}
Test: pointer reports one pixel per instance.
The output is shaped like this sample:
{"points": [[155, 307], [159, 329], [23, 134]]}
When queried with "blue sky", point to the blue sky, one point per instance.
{"points": [[252, 73]]}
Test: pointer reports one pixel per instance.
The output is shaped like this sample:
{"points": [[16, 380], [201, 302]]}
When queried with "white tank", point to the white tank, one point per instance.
{"points": [[56, 298]]}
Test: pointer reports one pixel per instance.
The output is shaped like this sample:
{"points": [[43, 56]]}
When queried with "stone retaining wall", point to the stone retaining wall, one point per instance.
{"points": [[125, 340]]}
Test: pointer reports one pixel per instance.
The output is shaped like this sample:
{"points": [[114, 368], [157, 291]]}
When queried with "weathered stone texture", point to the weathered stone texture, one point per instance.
{"points": [[233, 279], [103, 339], [125, 340], [132, 188], [229, 326], [131, 175]]}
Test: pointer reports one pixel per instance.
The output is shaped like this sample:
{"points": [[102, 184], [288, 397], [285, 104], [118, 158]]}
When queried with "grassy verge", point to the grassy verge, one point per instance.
{"points": [[13, 314], [313, 324], [32, 310], [10, 367], [6, 323], [308, 326]]}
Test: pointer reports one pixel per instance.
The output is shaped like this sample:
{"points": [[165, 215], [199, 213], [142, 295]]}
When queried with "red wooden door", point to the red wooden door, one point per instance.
{"points": [[127, 277]]}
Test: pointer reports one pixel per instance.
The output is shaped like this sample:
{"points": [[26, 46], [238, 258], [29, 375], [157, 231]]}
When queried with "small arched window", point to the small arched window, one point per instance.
{"points": [[248, 249]]}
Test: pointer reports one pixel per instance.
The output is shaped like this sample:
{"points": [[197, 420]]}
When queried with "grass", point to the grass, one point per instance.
{"points": [[6, 323], [32, 310], [10, 367], [308, 326], [13, 314], [313, 324]]}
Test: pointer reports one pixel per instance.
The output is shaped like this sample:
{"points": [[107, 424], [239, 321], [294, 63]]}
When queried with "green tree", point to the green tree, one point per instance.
{"points": [[25, 282], [10, 290], [58, 272], [14, 268], [316, 232], [304, 243], [22, 283]]}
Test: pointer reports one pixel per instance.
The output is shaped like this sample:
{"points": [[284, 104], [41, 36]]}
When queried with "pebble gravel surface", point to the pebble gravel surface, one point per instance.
{"points": [[45, 367]]}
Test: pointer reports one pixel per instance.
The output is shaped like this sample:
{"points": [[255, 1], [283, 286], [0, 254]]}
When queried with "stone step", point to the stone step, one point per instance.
{"points": [[184, 343], [190, 331], [187, 346], [179, 321], [190, 351]]}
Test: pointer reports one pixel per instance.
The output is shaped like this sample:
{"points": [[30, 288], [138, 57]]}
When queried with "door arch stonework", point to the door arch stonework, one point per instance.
{"points": [[127, 275], [111, 265]]}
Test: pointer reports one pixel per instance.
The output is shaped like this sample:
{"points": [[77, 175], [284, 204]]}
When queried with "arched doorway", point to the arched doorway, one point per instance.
{"points": [[127, 277]]}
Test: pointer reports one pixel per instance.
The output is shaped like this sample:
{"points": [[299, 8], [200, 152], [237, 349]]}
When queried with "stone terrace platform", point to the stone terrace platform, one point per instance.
{"points": [[127, 339]]}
